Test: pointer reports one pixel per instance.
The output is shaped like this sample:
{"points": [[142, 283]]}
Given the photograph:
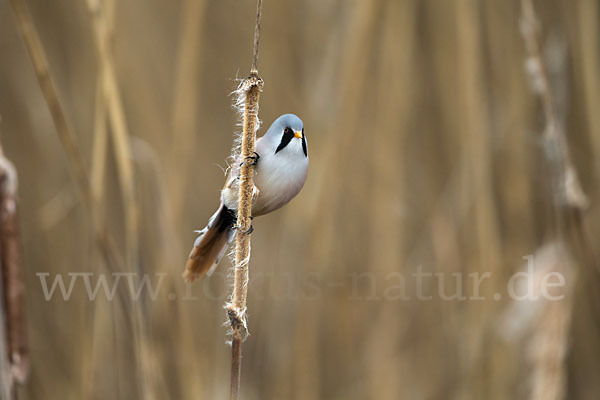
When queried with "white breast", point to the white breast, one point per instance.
{"points": [[278, 177]]}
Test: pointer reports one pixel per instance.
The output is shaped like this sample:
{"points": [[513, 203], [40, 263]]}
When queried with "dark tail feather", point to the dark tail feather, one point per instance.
{"points": [[211, 245]]}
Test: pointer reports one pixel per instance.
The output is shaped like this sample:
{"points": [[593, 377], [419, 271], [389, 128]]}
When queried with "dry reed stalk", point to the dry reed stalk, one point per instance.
{"points": [[568, 198], [185, 104], [7, 387], [544, 323], [345, 46], [548, 352], [123, 155], [40, 65], [13, 285], [476, 176], [64, 129], [569, 203], [119, 130], [396, 64], [100, 144], [249, 90], [185, 129], [349, 84], [590, 64], [354, 68], [102, 237], [149, 381], [477, 169], [97, 183], [548, 347], [515, 203], [566, 188]]}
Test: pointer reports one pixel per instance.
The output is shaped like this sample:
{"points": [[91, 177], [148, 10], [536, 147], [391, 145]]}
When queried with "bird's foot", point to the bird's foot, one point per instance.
{"points": [[251, 160], [246, 232]]}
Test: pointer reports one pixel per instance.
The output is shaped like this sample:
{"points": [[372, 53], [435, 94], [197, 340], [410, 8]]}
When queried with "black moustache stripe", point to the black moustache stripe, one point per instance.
{"points": [[304, 148], [288, 135]]}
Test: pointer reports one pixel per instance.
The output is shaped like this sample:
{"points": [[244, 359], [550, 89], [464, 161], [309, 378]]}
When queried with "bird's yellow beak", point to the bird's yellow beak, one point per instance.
{"points": [[298, 134]]}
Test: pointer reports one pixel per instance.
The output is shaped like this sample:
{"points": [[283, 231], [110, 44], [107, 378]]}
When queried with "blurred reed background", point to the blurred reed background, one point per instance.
{"points": [[426, 149]]}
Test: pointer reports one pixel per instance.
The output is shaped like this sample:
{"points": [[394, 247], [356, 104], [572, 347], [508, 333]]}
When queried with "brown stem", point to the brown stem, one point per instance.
{"points": [[236, 366], [254, 69], [13, 286], [236, 309]]}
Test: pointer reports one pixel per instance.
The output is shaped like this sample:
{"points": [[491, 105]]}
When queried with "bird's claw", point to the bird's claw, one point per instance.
{"points": [[246, 232], [253, 159]]}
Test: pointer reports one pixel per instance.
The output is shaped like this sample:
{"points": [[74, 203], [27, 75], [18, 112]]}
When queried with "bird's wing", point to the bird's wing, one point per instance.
{"points": [[211, 245]]}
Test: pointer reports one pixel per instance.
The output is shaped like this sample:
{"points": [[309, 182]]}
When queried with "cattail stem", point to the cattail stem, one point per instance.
{"points": [[236, 365], [236, 309], [254, 69]]}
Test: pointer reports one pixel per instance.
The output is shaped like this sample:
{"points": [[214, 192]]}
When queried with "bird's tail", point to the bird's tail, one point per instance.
{"points": [[211, 245]]}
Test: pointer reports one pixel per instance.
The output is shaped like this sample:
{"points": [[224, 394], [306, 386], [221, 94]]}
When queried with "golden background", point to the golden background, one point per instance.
{"points": [[426, 149]]}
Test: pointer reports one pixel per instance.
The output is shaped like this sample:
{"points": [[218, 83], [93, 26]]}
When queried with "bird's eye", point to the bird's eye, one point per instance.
{"points": [[288, 134]]}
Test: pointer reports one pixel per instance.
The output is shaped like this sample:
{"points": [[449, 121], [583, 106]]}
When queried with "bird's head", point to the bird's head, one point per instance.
{"points": [[287, 133]]}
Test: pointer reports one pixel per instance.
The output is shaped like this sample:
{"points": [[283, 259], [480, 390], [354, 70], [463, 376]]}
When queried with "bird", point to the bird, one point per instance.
{"points": [[281, 168]]}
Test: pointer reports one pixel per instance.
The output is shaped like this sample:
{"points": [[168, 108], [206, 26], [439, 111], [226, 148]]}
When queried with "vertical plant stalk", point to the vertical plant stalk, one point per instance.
{"points": [[185, 101], [102, 13], [16, 356], [119, 130], [254, 68], [569, 202], [63, 127], [236, 309], [569, 199], [565, 182], [39, 62]]}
